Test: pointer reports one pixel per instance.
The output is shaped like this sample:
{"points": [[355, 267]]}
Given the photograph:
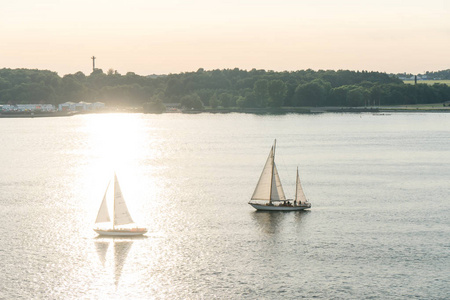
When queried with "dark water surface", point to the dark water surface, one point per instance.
{"points": [[379, 227]]}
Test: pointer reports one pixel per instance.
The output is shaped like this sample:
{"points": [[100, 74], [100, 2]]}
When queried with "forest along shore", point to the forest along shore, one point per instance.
{"points": [[215, 89]]}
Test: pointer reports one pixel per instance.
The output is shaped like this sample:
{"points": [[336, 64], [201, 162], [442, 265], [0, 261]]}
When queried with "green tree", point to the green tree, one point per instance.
{"points": [[175, 88], [213, 101], [205, 95], [154, 106], [375, 95], [313, 93], [192, 102], [338, 96], [73, 89], [250, 99], [355, 97], [277, 90], [241, 102], [261, 91], [225, 99]]}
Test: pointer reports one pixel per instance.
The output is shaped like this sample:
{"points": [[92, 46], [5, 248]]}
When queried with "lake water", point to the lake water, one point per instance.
{"points": [[379, 227]]}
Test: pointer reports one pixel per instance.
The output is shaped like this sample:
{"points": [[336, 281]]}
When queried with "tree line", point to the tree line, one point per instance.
{"points": [[218, 88], [433, 75]]}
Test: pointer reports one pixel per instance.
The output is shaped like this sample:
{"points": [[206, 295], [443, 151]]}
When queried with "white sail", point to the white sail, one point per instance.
{"points": [[121, 214], [103, 215], [262, 190], [277, 188], [299, 194]]}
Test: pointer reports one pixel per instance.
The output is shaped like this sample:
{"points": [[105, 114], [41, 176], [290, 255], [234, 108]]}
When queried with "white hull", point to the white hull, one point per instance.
{"points": [[121, 232], [279, 208]]}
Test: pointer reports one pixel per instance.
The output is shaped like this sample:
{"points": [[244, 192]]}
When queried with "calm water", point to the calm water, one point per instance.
{"points": [[379, 227]]}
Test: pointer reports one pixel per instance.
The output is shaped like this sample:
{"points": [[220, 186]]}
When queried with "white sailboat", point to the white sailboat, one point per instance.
{"points": [[269, 194], [122, 223]]}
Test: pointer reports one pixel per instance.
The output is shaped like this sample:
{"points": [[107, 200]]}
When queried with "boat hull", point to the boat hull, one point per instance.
{"points": [[121, 232], [279, 208]]}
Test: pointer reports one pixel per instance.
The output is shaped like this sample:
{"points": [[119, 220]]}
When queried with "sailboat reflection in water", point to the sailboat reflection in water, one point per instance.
{"points": [[122, 223], [121, 249]]}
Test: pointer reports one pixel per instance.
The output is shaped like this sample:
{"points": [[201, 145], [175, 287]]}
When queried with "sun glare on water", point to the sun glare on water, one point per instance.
{"points": [[116, 139], [118, 143]]}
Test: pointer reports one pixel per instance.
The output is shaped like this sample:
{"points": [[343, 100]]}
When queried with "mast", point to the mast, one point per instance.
{"points": [[114, 202], [296, 183], [271, 176]]}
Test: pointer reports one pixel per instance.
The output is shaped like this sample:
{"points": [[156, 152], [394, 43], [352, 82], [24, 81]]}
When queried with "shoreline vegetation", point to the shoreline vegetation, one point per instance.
{"points": [[221, 91]]}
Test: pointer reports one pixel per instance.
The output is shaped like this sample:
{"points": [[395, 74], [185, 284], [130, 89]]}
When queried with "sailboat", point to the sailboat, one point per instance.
{"points": [[269, 193], [122, 223]]}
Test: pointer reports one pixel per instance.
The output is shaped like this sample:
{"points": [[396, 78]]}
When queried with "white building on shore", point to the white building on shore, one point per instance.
{"points": [[67, 106], [80, 106], [98, 105], [27, 107]]}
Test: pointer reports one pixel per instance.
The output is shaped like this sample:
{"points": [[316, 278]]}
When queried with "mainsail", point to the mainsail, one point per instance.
{"points": [[269, 185], [121, 214], [262, 190], [299, 194]]}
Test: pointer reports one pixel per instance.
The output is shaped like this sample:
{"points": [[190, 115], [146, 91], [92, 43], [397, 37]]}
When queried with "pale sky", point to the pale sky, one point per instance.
{"points": [[170, 36]]}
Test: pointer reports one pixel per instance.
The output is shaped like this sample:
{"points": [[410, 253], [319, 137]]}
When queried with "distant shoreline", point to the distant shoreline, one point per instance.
{"points": [[35, 114], [255, 111], [319, 110]]}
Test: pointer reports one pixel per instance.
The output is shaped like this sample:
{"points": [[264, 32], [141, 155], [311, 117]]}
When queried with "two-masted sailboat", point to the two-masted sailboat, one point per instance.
{"points": [[269, 194], [122, 224]]}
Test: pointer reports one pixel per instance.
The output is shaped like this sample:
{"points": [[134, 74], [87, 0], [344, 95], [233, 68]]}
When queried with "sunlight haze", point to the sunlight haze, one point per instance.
{"points": [[161, 37]]}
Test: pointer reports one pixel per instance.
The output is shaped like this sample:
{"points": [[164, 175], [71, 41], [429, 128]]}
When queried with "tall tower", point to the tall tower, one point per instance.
{"points": [[93, 63]]}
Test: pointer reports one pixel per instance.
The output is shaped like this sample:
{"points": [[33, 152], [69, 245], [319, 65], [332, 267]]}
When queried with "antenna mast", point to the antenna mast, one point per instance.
{"points": [[93, 63]]}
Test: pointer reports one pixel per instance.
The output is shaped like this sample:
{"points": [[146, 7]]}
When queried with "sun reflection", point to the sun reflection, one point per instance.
{"points": [[115, 139], [120, 143]]}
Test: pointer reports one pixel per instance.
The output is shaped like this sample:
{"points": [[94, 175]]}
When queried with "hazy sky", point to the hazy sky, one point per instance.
{"points": [[169, 36]]}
